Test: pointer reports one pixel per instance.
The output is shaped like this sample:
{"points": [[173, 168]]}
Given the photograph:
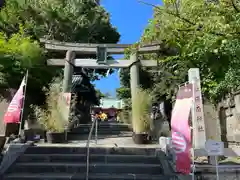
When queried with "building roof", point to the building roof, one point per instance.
{"points": [[76, 80], [82, 85]]}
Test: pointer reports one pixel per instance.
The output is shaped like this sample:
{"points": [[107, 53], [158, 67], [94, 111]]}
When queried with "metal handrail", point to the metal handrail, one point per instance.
{"points": [[94, 122]]}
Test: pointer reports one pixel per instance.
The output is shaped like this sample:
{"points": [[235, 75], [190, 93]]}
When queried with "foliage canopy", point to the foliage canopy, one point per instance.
{"points": [[24, 22], [196, 34], [82, 21]]}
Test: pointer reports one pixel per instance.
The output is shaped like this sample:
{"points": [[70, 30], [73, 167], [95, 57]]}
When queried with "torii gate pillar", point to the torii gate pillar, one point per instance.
{"points": [[134, 81], [68, 71]]}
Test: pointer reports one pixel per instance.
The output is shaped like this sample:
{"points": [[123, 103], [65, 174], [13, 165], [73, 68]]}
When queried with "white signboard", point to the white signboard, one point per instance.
{"points": [[214, 148], [199, 131]]}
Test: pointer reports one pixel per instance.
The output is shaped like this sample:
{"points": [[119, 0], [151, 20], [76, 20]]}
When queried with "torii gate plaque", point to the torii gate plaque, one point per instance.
{"points": [[101, 50]]}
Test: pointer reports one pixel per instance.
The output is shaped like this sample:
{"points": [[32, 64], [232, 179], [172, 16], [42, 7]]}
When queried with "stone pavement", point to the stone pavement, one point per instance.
{"points": [[106, 142]]}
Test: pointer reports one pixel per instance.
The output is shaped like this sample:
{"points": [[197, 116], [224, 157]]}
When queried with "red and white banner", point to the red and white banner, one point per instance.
{"points": [[181, 132], [13, 113]]}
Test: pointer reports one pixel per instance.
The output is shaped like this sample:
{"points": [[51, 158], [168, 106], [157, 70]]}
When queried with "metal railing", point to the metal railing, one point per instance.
{"points": [[94, 123]]}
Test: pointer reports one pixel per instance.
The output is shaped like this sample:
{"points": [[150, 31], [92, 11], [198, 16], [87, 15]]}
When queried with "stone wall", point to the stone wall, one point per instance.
{"points": [[224, 174], [229, 117], [3, 107], [212, 122], [223, 122]]}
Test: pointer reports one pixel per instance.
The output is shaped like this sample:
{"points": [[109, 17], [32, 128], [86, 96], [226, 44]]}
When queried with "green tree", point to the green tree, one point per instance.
{"points": [[99, 94], [80, 21], [17, 53], [20, 53], [196, 34], [107, 95]]}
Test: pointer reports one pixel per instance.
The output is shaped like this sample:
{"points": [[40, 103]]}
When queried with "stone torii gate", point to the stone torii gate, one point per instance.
{"points": [[101, 51]]}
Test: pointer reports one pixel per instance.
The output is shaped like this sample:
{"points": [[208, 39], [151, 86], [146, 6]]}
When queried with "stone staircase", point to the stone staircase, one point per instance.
{"points": [[69, 163], [105, 129]]}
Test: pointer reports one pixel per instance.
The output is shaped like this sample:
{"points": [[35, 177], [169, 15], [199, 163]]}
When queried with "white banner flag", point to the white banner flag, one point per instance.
{"points": [[199, 131]]}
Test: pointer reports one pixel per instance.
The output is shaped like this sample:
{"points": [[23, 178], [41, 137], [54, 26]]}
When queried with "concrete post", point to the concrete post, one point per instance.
{"points": [[68, 71], [134, 81]]}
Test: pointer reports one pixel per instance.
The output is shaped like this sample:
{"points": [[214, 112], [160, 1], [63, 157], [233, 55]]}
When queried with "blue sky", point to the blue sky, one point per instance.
{"points": [[130, 17]]}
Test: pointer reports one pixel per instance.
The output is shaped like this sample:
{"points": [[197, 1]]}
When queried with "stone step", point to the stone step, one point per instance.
{"points": [[110, 168], [106, 124], [76, 136], [101, 158], [102, 123], [101, 128], [100, 132], [76, 176], [92, 150]]}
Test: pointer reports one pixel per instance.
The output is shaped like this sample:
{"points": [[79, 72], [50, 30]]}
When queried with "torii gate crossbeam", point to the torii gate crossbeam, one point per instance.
{"points": [[92, 63]]}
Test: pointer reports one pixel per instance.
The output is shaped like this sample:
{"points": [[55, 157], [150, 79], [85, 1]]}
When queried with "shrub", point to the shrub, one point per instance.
{"points": [[53, 117], [141, 106]]}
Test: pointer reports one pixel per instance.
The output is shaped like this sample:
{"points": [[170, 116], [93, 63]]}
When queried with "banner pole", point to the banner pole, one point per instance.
{"points": [[193, 165], [22, 123], [193, 118], [217, 170], [194, 125]]}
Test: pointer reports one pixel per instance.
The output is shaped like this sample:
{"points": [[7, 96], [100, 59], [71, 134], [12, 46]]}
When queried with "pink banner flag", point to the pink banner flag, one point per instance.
{"points": [[13, 114], [181, 133]]}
